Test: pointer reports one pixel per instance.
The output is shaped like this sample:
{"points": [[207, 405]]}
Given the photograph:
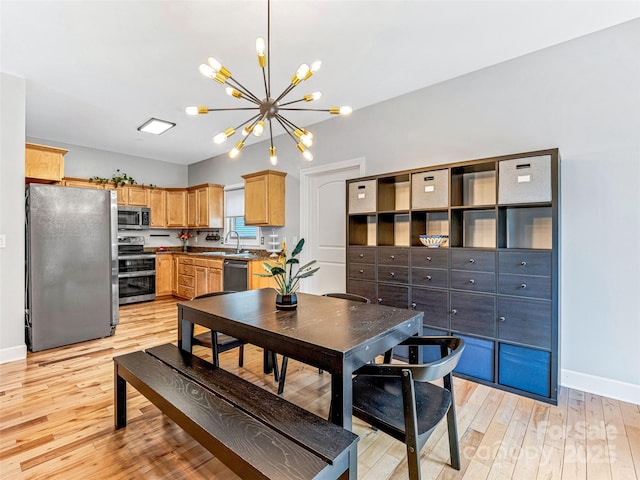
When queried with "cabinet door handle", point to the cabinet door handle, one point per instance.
{"points": [[523, 263], [472, 281], [361, 255], [502, 319], [472, 260], [361, 271], [379, 300], [413, 305], [393, 274], [523, 286], [428, 259], [393, 257], [428, 277], [453, 311]]}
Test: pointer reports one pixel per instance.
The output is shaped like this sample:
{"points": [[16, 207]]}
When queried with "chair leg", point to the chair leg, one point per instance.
{"points": [[452, 428], [274, 362], [283, 374], [241, 356]]}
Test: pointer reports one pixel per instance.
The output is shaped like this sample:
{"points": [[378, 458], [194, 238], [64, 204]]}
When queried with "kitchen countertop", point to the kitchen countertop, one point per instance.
{"points": [[210, 253]]}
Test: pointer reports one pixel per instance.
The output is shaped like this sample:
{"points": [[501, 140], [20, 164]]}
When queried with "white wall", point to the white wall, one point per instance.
{"points": [[583, 97], [12, 133]]}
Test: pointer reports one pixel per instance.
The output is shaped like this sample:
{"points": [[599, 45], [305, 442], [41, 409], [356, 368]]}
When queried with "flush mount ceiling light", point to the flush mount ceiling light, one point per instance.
{"points": [[155, 126], [269, 108]]}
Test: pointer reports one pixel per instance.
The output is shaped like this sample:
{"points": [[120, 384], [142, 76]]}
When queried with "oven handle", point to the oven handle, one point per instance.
{"points": [[142, 256], [144, 273]]}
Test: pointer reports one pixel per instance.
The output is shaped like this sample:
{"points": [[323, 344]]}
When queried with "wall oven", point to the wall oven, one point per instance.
{"points": [[136, 271]]}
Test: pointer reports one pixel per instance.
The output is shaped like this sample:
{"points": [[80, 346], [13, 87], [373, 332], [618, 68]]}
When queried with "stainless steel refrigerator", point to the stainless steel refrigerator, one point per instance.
{"points": [[71, 265]]}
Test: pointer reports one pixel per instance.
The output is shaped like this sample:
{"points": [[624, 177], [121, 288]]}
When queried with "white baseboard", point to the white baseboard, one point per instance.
{"points": [[12, 354], [606, 387]]}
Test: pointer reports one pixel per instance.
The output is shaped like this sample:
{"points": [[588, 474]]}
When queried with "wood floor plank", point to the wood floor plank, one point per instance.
{"points": [[56, 421]]}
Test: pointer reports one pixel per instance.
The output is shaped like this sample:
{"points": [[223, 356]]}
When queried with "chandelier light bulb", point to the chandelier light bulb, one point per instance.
{"points": [[273, 158], [207, 71], [308, 156], [232, 92], [258, 129], [307, 140], [215, 64], [315, 66], [221, 137], [344, 110], [261, 48], [247, 130], [235, 151], [300, 74], [191, 110], [310, 97]]}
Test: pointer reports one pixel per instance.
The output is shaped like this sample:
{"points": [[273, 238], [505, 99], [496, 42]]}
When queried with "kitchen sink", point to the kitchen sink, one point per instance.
{"points": [[229, 254]]}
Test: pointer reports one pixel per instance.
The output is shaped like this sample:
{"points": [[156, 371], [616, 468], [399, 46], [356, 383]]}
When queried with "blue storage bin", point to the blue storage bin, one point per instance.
{"points": [[477, 358], [525, 368]]}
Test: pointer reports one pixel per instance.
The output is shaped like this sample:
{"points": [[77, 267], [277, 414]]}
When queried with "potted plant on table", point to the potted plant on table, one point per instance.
{"points": [[287, 274], [184, 236]]}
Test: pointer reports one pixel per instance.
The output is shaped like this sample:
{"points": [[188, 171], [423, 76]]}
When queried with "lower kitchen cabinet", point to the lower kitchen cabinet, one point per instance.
{"points": [[164, 274]]}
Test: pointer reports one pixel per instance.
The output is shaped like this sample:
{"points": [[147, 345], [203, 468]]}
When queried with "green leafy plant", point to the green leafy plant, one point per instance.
{"points": [[286, 271], [118, 179]]}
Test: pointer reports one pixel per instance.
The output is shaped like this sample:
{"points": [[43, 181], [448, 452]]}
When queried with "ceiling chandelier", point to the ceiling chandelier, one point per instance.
{"points": [[269, 108]]}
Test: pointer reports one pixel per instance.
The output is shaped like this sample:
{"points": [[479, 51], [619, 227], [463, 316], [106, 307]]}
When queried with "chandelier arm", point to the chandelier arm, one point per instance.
{"points": [[242, 88], [268, 81], [285, 92], [306, 109], [271, 132], [292, 125], [230, 109], [279, 118], [249, 121], [266, 85], [293, 101]]}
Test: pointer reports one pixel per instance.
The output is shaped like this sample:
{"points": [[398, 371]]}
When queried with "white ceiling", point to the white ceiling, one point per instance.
{"points": [[96, 70]]}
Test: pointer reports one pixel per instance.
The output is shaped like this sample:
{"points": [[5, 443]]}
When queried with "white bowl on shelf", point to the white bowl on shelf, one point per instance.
{"points": [[433, 241]]}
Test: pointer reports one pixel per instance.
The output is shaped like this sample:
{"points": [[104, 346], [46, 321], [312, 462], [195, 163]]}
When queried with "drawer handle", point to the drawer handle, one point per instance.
{"points": [[523, 286], [361, 255], [392, 274], [361, 271], [523, 263], [502, 319], [428, 259], [472, 281], [428, 277], [472, 260], [392, 257], [453, 311], [413, 305], [379, 300]]}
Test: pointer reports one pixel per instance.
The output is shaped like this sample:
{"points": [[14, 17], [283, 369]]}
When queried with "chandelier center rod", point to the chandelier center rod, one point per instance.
{"points": [[269, 108]]}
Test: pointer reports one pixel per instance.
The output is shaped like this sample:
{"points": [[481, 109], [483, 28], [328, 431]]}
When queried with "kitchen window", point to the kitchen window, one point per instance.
{"points": [[234, 217]]}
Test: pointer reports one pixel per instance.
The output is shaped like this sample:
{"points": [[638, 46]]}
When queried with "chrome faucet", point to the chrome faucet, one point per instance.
{"points": [[237, 239]]}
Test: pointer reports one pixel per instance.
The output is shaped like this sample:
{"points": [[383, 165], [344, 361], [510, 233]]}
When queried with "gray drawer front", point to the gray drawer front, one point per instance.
{"points": [[473, 281], [362, 271], [429, 257], [430, 189], [525, 180], [472, 313], [393, 296], [393, 256], [363, 288], [525, 321], [525, 286], [362, 196], [434, 304], [475, 260], [430, 277], [525, 263], [362, 255], [393, 274]]}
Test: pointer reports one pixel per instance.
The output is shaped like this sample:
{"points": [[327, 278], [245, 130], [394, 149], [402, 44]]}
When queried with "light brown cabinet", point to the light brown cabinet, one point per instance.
{"points": [[197, 276], [186, 277], [164, 274], [158, 206], [256, 281], [176, 208], [205, 206], [81, 183], [214, 281], [134, 195], [43, 164], [192, 208], [264, 198]]}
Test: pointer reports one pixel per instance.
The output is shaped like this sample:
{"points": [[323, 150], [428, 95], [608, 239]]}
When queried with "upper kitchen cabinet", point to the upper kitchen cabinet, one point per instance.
{"points": [[209, 205], [264, 198], [43, 164], [135, 195], [158, 206], [176, 213]]}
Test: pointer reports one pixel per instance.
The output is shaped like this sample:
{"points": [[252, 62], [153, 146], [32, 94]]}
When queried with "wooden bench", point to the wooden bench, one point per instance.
{"points": [[255, 433]]}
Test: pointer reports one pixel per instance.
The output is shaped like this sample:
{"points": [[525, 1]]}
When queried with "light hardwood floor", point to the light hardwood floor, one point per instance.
{"points": [[56, 422]]}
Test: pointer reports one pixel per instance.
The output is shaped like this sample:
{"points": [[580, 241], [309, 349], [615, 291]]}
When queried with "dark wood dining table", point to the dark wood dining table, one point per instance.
{"points": [[333, 334]]}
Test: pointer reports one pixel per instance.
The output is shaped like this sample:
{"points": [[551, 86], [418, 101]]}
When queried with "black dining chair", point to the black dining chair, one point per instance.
{"points": [[221, 341], [285, 360], [399, 399]]}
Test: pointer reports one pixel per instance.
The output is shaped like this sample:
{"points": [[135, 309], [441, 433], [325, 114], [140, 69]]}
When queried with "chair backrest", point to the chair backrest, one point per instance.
{"points": [[452, 348], [213, 294], [348, 296]]}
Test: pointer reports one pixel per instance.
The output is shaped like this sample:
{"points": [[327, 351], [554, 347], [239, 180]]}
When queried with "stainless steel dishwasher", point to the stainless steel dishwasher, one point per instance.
{"points": [[234, 275]]}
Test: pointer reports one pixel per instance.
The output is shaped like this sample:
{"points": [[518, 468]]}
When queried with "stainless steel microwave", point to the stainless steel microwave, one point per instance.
{"points": [[134, 218]]}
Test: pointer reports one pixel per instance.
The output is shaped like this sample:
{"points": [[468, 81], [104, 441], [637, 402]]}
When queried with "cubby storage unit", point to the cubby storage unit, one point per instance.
{"points": [[494, 282]]}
